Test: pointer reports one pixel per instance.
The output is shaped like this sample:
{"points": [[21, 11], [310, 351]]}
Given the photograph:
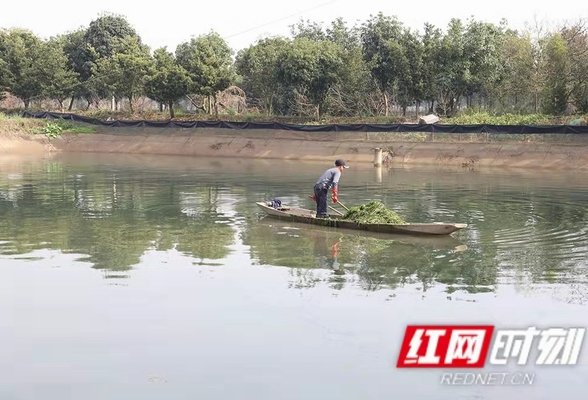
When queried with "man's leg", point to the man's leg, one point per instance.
{"points": [[317, 196], [321, 202]]}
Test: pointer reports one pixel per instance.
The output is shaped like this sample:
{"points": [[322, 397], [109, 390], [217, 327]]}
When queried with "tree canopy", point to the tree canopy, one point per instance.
{"points": [[373, 68]]}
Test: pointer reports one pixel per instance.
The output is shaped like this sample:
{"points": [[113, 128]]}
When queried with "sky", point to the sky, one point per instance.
{"points": [[241, 23]]}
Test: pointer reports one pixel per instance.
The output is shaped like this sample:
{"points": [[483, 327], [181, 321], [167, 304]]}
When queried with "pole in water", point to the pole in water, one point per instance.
{"points": [[377, 157]]}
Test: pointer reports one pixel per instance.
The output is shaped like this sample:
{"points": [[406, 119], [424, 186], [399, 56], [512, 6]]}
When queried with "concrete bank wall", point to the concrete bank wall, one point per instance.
{"points": [[356, 147]]}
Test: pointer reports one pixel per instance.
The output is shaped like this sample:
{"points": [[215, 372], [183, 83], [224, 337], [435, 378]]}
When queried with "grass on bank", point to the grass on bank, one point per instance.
{"points": [[472, 117], [15, 125], [10, 120]]}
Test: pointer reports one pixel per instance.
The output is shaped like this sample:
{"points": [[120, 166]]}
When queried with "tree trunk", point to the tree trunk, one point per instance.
{"points": [[215, 105], [385, 104], [131, 103], [171, 109], [417, 107], [268, 105], [271, 105], [71, 103], [26, 103], [454, 105]]}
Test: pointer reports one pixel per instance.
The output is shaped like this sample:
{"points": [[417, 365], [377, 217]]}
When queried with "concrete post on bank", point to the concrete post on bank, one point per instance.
{"points": [[377, 157], [379, 174]]}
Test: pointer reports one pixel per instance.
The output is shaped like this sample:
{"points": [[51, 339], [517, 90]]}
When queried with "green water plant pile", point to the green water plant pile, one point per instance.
{"points": [[373, 212]]}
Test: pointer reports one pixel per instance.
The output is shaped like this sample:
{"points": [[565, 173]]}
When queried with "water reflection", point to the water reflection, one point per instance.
{"points": [[111, 219], [523, 231], [199, 284], [327, 254], [368, 260]]}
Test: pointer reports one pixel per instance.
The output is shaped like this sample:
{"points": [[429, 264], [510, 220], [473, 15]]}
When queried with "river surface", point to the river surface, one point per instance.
{"points": [[126, 277]]}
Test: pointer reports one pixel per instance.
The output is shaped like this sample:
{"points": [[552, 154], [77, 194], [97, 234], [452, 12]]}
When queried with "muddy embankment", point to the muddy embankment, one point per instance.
{"points": [[356, 147]]}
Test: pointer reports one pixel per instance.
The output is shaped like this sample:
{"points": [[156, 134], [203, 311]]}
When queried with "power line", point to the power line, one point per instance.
{"points": [[102, 76], [281, 19]]}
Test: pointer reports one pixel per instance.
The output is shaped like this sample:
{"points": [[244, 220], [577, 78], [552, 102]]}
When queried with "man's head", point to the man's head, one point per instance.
{"points": [[340, 164]]}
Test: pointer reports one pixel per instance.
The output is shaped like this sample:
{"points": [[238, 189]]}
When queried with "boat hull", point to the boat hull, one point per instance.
{"points": [[303, 215]]}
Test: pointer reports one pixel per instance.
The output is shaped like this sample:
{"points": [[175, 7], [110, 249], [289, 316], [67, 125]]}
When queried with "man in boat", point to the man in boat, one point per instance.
{"points": [[328, 180]]}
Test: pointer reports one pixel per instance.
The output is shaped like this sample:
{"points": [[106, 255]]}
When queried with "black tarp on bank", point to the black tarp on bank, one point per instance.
{"points": [[437, 128]]}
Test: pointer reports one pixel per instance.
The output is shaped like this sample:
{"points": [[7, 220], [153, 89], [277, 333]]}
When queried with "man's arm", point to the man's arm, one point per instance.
{"points": [[336, 177]]}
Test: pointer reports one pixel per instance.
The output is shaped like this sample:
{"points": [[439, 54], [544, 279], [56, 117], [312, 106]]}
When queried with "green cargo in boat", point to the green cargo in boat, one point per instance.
{"points": [[374, 212]]}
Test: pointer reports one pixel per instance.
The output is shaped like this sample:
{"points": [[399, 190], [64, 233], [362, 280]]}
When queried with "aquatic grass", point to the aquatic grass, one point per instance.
{"points": [[373, 212]]}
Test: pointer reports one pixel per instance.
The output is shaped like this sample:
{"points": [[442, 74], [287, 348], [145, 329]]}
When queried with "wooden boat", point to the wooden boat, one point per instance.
{"points": [[303, 215], [272, 227]]}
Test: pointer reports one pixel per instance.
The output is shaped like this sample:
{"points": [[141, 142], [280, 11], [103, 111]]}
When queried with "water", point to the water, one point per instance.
{"points": [[157, 278]]}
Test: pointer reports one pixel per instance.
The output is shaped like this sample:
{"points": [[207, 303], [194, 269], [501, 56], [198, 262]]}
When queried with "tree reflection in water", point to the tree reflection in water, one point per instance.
{"points": [[521, 233]]}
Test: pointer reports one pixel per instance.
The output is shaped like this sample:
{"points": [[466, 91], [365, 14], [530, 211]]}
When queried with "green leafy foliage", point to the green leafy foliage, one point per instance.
{"points": [[258, 67], [51, 130], [208, 61], [374, 69], [33, 67], [126, 71], [169, 82], [311, 69], [373, 212]]}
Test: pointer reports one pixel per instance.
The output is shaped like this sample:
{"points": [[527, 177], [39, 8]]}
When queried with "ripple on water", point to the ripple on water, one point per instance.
{"points": [[558, 252]]}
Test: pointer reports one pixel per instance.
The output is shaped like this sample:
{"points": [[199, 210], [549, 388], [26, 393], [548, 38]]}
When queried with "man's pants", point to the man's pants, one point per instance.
{"points": [[321, 200]]}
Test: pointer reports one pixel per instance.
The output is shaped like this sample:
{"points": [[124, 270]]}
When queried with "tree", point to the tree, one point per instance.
{"points": [[101, 40], [482, 48], [169, 82], [105, 32], [350, 95], [126, 70], [81, 58], [431, 42], [557, 68], [411, 81], [311, 68], [208, 61], [308, 29], [34, 68], [453, 69], [258, 67], [576, 38], [380, 37], [22, 50], [517, 72], [6, 76], [60, 80]]}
